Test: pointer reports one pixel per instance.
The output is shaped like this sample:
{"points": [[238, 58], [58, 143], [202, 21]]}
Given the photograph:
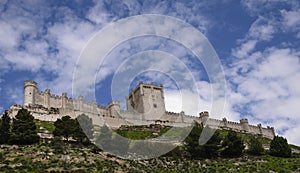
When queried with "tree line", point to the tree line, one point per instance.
{"points": [[22, 130], [232, 145]]}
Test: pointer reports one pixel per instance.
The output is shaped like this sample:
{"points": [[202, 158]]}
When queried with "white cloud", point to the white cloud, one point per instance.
{"points": [[187, 11], [262, 29], [265, 78], [293, 134], [29, 42], [270, 90], [291, 21], [291, 18], [8, 35], [245, 49]]}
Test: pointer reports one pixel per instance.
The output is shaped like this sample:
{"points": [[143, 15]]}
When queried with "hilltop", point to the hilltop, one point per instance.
{"points": [[56, 155]]}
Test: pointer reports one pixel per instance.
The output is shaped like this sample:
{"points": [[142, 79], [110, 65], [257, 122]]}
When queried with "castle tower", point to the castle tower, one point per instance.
{"points": [[244, 124], [64, 100], [204, 116], [114, 109], [148, 100], [80, 103], [47, 98], [30, 89]]}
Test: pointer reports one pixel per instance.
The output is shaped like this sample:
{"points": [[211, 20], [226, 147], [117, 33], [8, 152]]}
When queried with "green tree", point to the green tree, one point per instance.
{"points": [[4, 128], [24, 130], [192, 141], [58, 145], [65, 127], [84, 131], [211, 148], [279, 147], [233, 145], [79, 135], [81, 128], [255, 147]]}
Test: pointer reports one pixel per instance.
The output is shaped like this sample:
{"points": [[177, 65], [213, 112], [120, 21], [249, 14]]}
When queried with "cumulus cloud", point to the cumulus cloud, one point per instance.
{"points": [[188, 11], [245, 49], [264, 78], [270, 90], [291, 21], [35, 43], [46, 39]]}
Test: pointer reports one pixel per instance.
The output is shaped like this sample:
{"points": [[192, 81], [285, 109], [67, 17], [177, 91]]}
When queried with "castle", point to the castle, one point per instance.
{"points": [[144, 105]]}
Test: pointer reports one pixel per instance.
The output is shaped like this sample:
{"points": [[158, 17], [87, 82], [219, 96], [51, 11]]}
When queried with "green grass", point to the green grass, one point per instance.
{"points": [[77, 158], [46, 125], [137, 135]]}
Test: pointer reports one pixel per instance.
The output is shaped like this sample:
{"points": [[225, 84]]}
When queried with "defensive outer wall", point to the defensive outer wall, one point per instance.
{"points": [[144, 105]]}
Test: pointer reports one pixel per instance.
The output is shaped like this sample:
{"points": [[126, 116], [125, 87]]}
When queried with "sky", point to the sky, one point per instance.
{"points": [[256, 41]]}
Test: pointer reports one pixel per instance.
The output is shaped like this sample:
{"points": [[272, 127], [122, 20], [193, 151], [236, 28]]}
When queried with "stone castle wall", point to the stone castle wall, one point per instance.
{"points": [[145, 105]]}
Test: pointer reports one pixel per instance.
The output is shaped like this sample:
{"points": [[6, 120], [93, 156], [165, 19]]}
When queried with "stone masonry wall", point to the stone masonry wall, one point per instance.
{"points": [[145, 104]]}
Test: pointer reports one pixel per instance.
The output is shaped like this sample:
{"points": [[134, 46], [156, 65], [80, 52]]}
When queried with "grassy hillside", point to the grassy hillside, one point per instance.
{"points": [[61, 156], [76, 158]]}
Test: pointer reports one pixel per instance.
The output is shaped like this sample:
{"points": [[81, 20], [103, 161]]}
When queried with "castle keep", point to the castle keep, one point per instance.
{"points": [[144, 105]]}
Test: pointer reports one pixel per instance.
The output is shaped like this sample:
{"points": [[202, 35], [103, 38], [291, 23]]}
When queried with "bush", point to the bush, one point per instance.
{"points": [[255, 147], [233, 145], [210, 148], [4, 128], [279, 147], [24, 130]]}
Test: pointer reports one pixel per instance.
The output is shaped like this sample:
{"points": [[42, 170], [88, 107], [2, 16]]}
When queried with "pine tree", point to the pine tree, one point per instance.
{"points": [[24, 130], [279, 147], [4, 128], [233, 145], [85, 126], [79, 135], [255, 147], [65, 127], [192, 141], [211, 148]]}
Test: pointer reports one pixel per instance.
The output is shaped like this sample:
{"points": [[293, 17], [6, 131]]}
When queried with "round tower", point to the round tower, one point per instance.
{"points": [[47, 98], [244, 123], [114, 109], [204, 116], [30, 89]]}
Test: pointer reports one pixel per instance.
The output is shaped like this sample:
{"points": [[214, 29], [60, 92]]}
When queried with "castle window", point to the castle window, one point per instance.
{"points": [[155, 105]]}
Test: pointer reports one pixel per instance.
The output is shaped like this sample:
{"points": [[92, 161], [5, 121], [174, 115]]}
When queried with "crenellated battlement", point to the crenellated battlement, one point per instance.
{"points": [[145, 104], [30, 83]]}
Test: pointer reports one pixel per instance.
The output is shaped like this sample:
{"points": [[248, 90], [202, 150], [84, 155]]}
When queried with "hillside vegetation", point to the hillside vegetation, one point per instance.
{"points": [[69, 150]]}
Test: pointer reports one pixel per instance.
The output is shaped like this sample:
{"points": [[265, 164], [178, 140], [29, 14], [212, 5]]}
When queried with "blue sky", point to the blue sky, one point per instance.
{"points": [[257, 42]]}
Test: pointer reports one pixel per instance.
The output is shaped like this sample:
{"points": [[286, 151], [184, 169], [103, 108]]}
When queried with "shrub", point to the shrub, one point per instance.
{"points": [[24, 130], [255, 147], [279, 147], [4, 128], [233, 145]]}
